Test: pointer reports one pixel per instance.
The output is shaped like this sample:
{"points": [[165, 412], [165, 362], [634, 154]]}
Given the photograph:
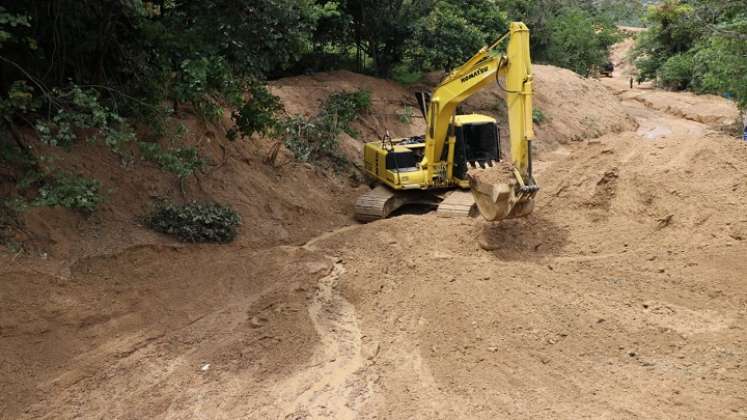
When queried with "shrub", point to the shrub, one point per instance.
{"points": [[205, 82], [70, 191], [577, 41], [315, 138], [342, 108], [405, 116], [676, 72], [303, 138], [257, 115], [195, 222], [405, 74], [79, 110], [538, 117], [182, 161], [720, 67]]}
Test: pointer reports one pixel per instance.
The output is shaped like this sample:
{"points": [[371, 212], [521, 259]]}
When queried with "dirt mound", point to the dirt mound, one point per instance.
{"points": [[393, 107], [573, 108], [286, 204], [707, 109], [502, 172]]}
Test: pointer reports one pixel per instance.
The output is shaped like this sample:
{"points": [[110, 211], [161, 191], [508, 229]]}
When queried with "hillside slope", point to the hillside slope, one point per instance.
{"points": [[624, 295], [289, 201]]}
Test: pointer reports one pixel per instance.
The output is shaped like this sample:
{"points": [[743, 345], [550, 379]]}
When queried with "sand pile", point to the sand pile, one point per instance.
{"points": [[571, 108]]}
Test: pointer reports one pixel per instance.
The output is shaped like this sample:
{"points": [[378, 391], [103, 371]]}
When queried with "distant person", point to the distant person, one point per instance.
{"points": [[631, 82]]}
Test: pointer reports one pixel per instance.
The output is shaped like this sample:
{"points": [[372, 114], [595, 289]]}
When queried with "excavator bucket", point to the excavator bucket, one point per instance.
{"points": [[497, 192]]}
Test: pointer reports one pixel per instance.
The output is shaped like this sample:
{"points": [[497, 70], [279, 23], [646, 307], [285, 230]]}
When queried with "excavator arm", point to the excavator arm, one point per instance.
{"points": [[483, 68]]}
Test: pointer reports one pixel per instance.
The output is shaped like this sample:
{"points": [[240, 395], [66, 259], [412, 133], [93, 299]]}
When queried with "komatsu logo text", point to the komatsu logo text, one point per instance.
{"points": [[474, 74]]}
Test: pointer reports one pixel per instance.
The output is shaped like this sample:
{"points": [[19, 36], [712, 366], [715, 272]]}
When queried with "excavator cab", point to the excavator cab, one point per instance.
{"points": [[477, 143]]}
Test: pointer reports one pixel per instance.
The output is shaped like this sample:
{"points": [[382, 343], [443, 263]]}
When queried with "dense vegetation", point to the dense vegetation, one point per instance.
{"points": [[195, 221], [696, 44], [121, 73]]}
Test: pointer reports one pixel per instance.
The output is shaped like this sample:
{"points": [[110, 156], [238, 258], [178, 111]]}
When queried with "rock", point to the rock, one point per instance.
{"points": [[257, 322]]}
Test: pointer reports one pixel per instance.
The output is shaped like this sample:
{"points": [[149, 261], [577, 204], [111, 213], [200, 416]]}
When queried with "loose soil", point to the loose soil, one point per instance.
{"points": [[624, 295], [501, 172]]}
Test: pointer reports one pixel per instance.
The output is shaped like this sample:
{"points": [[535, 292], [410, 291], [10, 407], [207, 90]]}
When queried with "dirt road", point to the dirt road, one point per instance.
{"points": [[623, 296]]}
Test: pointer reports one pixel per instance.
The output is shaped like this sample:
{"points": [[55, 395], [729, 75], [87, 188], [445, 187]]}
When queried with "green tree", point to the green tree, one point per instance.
{"points": [[452, 32], [670, 32], [578, 42], [575, 34], [720, 66], [696, 44]]}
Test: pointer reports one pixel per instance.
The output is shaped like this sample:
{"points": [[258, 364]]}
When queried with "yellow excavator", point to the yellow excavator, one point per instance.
{"points": [[462, 152]]}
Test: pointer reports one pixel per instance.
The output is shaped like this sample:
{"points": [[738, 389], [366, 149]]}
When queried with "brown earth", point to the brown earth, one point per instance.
{"points": [[285, 203], [574, 108], [624, 295]]}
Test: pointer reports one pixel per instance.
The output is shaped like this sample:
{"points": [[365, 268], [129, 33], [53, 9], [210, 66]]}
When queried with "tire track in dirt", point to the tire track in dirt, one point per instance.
{"points": [[335, 383]]}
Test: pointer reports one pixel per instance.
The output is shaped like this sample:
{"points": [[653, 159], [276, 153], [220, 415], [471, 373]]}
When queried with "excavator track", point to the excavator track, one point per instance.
{"points": [[381, 202], [377, 204], [457, 204]]}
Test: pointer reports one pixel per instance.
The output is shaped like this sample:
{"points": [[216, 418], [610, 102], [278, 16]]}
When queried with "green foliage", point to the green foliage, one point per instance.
{"points": [[20, 100], [676, 72], [8, 23], [311, 139], [305, 139], [578, 41], [670, 33], [206, 82], [720, 66], [405, 74], [405, 116], [256, 115], [554, 43], [696, 44], [341, 108], [378, 31], [257, 37], [70, 191], [195, 222], [453, 31], [79, 110], [182, 161], [538, 117], [622, 12]]}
